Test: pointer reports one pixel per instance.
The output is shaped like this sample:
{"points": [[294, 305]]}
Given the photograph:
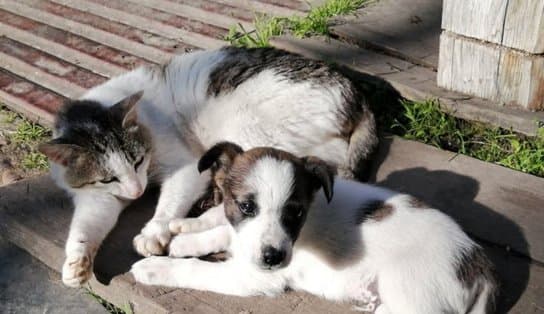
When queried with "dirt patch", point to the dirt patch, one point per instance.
{"points": [[18, 140]]}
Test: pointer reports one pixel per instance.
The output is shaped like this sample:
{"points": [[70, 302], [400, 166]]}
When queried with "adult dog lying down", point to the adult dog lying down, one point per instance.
{"points": [[386, 252]]}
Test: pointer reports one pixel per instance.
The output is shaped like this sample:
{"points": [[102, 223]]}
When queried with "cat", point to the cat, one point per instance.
{"points": [[153, 123]]}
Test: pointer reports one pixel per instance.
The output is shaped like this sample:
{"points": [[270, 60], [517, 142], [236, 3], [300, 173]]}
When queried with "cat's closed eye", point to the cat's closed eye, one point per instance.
{"points": [[138, 163], [109, 180]]}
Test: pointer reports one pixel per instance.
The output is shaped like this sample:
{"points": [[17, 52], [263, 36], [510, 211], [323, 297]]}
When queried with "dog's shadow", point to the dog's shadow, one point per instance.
{"points": [[455, 195]]}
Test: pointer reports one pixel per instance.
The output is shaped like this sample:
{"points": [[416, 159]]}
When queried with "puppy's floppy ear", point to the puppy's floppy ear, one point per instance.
{"points": [[221, 155], [61, 153], [323, 173], [126, 108]]}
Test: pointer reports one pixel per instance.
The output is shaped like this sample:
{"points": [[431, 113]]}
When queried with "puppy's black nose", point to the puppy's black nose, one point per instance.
{"points": [[273, 256]]}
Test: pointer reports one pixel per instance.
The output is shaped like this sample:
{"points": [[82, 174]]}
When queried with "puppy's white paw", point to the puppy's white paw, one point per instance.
{"points": [[153, 238], [180, 247], [185, 225], [77, 270], [154, 270]]}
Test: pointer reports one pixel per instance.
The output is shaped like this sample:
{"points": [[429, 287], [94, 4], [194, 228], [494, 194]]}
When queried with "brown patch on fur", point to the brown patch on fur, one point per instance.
{"points": [[417, 203], [374, 210], [234, 188], [215, 257], [474, 268]]}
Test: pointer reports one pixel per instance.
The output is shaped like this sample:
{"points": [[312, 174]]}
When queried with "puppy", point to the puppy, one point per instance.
{"points": [[383, 251]]}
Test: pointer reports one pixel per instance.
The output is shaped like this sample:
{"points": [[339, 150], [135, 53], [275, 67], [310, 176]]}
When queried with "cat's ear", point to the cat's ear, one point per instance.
{"points": [[61, 153], [127, 109], [220, 155]]}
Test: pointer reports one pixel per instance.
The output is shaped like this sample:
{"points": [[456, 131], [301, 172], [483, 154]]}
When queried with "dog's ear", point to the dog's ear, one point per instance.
{"points": [[323, 173], [221, 155]]}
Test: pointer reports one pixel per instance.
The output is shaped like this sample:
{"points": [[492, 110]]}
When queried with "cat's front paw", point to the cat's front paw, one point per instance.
{"points": [[154, 270], [77, 270], [153, 238]]}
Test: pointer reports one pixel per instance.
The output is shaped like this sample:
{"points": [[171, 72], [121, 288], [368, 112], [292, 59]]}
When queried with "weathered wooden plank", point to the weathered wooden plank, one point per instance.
{"points": [[472, 67], [489, 71], [197, 14], [40, 77], [517, 24], [482, 19], [408, 29], [524, 26], [413, 82], [62, 52], [144, 23], [148, 53]]}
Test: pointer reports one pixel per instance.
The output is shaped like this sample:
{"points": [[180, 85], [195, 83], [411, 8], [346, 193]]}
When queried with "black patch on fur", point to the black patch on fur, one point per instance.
{"points": [[374, 210], [98, 129], [292, 219], [242, 64], [474, 268]]}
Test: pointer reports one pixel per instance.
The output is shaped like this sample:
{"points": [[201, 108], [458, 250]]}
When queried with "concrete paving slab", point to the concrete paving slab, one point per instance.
{"points": [[494, 203], [27, 286]]}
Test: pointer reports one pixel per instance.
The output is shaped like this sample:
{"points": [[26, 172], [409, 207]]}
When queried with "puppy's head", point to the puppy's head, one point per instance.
{"points": [[266, 193]]}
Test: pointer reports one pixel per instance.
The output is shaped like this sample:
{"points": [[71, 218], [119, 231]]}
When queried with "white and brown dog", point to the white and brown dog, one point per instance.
{"points": [[386, 252]]}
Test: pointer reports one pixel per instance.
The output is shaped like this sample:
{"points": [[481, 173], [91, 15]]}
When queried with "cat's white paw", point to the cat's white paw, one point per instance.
{"points": [[77, 270], [154, 270], [153, 238]]}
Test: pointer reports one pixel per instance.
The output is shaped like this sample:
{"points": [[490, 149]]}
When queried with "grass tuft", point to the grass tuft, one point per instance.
{"points": [[315, 22], [35, 160], [29, 132], [428, 123], [110, 307]]}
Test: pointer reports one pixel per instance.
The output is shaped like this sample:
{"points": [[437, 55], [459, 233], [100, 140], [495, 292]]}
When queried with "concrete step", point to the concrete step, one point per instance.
{"points": [[500, 207], [27, 286]]}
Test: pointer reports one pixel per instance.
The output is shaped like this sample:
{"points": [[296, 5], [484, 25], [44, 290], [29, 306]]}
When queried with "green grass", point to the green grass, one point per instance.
{"points": [[29, 131], [427, 123], [315, 22], [35, 160], [111, 308]]}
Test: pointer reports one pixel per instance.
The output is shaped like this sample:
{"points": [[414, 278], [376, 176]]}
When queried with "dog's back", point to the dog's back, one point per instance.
{"points": [[419, 258]]}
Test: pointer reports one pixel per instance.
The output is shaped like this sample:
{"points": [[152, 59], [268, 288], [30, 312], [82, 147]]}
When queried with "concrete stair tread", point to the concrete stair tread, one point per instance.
{"points": [[495, 204]]}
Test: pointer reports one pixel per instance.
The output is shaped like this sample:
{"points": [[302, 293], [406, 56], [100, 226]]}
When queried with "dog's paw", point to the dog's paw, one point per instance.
{"points": [[180, 247], [77, 270], [154, 270], [182, 225], [153, 238]]}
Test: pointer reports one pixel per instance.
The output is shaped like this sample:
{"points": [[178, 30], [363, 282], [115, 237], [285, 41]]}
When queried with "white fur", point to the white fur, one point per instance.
{"points": [[264, 110], [404, 263]]}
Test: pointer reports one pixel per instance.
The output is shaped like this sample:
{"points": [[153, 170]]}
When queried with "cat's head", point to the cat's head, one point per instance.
{"points": [[101, 148]]}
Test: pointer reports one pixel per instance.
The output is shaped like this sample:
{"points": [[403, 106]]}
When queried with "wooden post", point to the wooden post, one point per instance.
{"points": [[494, 49]]}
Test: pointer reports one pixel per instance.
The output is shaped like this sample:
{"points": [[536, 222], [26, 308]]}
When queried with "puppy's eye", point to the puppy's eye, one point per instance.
{"points": [[138, 163], [109, 180], [248, 208]]}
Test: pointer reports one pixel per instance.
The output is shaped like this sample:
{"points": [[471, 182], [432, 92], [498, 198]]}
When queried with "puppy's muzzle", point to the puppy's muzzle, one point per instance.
{"points": [[272, 256]]}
